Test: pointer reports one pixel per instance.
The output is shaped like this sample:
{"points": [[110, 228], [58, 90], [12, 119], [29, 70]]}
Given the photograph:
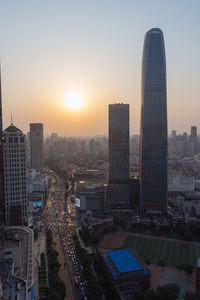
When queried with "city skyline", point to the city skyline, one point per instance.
{"points": [[48, 51]]}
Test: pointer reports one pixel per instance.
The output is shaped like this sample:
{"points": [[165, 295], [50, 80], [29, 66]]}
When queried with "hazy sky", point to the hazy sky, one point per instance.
{"points": [[49, 48]]}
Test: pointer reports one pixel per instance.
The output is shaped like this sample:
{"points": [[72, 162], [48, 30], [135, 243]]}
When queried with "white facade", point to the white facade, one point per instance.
{"points": [[36, 182], [15, 176], [181, 183]]}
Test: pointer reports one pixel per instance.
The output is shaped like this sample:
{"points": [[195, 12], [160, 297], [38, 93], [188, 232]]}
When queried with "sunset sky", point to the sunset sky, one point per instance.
{"points": [[51, 48]]}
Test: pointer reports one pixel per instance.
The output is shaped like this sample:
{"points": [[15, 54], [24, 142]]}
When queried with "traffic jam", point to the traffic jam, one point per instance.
{"points": [[61, 222]]}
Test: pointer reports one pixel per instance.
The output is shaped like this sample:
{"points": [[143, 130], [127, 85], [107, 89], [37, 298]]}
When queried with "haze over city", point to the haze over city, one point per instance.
{"points": [[50, 49], [99, 150]]}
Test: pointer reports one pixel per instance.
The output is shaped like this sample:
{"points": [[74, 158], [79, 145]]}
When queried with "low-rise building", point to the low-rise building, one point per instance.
{"points": [[18, 270], [126, 271], [89, 174], [91, 196], [98, 223], [36, 182], [180, 184]]}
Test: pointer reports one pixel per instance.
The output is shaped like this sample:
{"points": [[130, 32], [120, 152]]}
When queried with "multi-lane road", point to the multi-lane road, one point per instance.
{"points": [[61, 222]]}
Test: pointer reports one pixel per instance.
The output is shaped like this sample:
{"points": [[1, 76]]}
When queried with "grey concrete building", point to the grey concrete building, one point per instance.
{"points": [[37, 146], [118, 188]]}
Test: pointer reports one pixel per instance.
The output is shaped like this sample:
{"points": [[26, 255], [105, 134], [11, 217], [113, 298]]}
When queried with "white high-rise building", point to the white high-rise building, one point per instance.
{"points": [[14, 149]]}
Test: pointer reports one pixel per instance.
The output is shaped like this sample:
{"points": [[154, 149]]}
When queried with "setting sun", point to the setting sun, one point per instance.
{"points": [[74, 101]]}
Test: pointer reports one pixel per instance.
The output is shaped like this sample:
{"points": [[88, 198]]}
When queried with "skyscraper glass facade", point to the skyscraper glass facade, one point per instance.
{"points": [[118, 156], [153, 129], [2, 199]]}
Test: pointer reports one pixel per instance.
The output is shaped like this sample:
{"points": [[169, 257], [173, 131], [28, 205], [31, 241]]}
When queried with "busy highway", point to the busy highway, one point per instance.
{"points": [[60, 220]]}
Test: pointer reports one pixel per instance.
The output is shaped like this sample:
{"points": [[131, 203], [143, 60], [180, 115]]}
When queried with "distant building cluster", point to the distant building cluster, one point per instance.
{"points": [[111, 178], [184, 144], [58, 148]]}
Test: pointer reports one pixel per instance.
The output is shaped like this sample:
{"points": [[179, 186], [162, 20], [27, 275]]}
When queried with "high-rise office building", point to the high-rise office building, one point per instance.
{"points": [[2, 198], [36, 145], [173, 134], [118, 190], [185, 143], [14, 148], [193, 146], [153, 130], [193, 135]]}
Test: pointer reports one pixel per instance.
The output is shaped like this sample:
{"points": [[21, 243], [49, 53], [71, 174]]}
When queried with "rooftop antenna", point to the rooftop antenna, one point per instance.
{"points": [[11, 120]]}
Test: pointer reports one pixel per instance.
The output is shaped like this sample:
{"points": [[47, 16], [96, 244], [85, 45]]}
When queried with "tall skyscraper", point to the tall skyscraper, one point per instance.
{"points": [[118, 191], [2, 198], [36, 145], [193, 147], [153, 129], [185, 142], [193, 136], [15, 176]]}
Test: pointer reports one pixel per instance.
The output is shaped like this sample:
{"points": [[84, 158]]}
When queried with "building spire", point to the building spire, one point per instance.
{"points": [[11, 120]]}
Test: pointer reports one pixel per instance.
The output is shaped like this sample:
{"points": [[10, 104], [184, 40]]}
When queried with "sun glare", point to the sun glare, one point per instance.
{"points": [[74, 101]]}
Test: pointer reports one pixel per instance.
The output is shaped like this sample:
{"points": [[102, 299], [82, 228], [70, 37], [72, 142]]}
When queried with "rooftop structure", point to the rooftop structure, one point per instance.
{"points": [[126, 271], [89, 174], [198, 262], [97, 223], [91, 196], [19, 255], [124, 263], [181, 183]]}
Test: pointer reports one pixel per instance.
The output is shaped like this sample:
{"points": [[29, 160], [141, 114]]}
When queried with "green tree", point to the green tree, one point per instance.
{"points": [[188, 269], [192, 296], [180, 267], [147, 295], [162, 263], [148, 261], [168, 292], [54, 295]]}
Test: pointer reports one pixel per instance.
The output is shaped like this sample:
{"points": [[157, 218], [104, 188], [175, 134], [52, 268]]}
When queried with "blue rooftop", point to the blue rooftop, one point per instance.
{"points": [[125, 261], [198, 262]]}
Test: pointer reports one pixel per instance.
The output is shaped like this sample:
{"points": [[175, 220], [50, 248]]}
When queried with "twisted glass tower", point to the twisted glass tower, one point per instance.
{"points": [[153, 128]]}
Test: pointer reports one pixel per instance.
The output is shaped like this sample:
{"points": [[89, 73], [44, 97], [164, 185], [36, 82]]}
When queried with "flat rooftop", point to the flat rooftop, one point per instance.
{"points": [[125, 261], [198, 262]]}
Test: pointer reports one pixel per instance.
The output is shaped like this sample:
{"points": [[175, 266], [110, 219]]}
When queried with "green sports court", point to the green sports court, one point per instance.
{"points": [[174, 253]]}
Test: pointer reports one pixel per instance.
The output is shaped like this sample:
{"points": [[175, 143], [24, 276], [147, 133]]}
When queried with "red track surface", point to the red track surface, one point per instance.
{"points": [[116, 240]]}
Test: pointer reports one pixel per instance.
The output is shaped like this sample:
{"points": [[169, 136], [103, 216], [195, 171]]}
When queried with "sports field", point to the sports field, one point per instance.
{"points": [[172, 252]]}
